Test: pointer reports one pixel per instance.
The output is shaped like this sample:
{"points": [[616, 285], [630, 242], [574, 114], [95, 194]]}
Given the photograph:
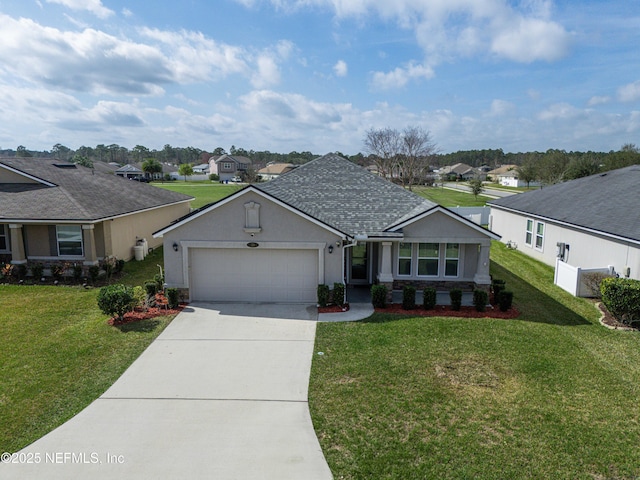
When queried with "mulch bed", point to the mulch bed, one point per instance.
{"points": [[610, 321], [147, 313], [446, 311], [439, 311]]}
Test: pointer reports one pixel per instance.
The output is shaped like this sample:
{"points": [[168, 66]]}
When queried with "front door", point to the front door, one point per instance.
{"points": [[360, 263]]}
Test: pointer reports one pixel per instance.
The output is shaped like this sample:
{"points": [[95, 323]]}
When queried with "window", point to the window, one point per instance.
{"points": [[452, 255], [69, 240], [539, 235], [404, 259], [4, 240], [226, 165], [528, 239], [428, 259]]}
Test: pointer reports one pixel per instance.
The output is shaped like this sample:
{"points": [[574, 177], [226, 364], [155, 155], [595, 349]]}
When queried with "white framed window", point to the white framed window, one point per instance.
{"points": [[528, 239], [539, 235], [452, 259], [4, 239], [404, 258], [226, 165], [69, 239], [428, 259]]}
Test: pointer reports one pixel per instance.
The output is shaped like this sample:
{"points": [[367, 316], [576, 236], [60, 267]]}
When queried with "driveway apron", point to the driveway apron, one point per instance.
{"points": [[220, 394]]}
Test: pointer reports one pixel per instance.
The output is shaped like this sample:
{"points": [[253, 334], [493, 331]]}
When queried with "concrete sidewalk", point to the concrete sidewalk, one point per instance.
{"points": [[221, 393]]}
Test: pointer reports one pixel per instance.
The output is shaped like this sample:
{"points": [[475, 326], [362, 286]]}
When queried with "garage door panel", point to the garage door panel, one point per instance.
{"points": [[264, 275]]}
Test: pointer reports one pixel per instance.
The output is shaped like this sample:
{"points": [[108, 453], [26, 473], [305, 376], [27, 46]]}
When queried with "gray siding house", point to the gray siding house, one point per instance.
{"points": [[591, 222], [328, 221]]}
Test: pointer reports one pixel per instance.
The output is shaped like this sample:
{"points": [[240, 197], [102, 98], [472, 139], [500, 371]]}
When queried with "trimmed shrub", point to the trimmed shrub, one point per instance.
{"points": [[116, 300], [455, 295], [21, 271], [94, 273], [150, 288], [323, 295], [621, 296], [497, 286], [408, 297], [379, 296], [173, 299], [480, 299], [429, 298], [36, 270], [119, 265], [57, 271], [505, 299], [77, 272], [338, 293], [140, 296]]}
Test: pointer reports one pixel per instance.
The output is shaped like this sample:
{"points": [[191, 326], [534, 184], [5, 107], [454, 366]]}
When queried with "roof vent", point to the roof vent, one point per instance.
{"points": [[64, 165]]}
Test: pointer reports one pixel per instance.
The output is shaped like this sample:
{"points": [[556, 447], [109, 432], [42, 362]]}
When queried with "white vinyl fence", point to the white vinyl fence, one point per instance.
{"points": [[479, 215], [571, 278]]}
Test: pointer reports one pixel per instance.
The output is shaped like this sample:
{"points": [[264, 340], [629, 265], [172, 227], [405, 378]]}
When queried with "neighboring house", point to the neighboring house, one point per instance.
{"points": [[507, 175], [52, 212], [588, 223], [227, 166], [460, 171], [274, 170], [129, 171], [202, 169], [328, 221]]}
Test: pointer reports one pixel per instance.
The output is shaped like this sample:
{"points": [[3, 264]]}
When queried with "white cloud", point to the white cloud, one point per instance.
{"points": [[400, 76], [629, 92], [531, 39], [598, 100], [501, 107], [93, 6], [340, 68], [559, 111]]}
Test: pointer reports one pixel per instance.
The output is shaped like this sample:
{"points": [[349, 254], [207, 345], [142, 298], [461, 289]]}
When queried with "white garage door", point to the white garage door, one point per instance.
{"points": [[248, 275]]}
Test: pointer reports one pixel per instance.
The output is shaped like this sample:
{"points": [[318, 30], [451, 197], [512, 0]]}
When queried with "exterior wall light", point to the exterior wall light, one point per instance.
{"points": [[175, 247], [330, 248]]}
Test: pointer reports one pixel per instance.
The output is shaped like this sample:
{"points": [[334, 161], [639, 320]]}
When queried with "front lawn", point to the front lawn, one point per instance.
{"points": [[57, 353], [552, 394]]}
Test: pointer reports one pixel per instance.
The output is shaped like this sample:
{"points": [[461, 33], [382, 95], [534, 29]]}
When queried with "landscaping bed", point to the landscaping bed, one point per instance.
{"points": [[447, 311]]}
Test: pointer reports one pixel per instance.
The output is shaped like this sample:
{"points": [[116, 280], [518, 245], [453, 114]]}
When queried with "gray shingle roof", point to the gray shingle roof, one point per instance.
{"points": [[345, 196], [79, 194], [607, 202]]}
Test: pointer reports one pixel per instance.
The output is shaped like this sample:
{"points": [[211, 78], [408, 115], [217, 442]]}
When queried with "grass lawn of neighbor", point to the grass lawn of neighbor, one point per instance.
{"points": [[58, 353], [204, 192], [550, 395], [450, 198]]}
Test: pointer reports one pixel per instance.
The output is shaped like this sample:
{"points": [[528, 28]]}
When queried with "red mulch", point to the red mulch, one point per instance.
{"points": [[333, 309], [144, 314], [446, 311]]}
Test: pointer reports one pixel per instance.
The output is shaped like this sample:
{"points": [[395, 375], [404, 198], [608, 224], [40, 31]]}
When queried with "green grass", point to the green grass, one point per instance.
{"points": [[552, 394], [58, 355], [451, 198], [203, 192]]}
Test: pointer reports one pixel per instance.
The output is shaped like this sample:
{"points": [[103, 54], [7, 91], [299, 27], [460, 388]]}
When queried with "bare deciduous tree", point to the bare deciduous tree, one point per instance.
{"points": [[385, 145], [417, 149]]}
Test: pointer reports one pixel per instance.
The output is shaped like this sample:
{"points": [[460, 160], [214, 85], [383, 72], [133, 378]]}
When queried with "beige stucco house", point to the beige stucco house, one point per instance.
{"points": [[277, 241], [52, 211]]}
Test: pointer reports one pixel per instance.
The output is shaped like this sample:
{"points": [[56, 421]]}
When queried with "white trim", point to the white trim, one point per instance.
{"points": [[449, 213], [238, 194], [189, 244], [26, 175], [566, 224]]}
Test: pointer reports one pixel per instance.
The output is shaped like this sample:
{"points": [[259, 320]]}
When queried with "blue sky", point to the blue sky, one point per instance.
{"points": [[315, 75]]}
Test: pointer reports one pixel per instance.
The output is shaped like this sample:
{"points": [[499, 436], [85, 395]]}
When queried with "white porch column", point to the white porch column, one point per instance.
{"points": [[18, 255], [482, 276], [386, 267], [89, 240]]}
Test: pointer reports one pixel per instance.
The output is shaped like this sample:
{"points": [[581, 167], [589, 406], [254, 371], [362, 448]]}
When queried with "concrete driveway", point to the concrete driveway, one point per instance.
{"points": [[220, 394]]}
